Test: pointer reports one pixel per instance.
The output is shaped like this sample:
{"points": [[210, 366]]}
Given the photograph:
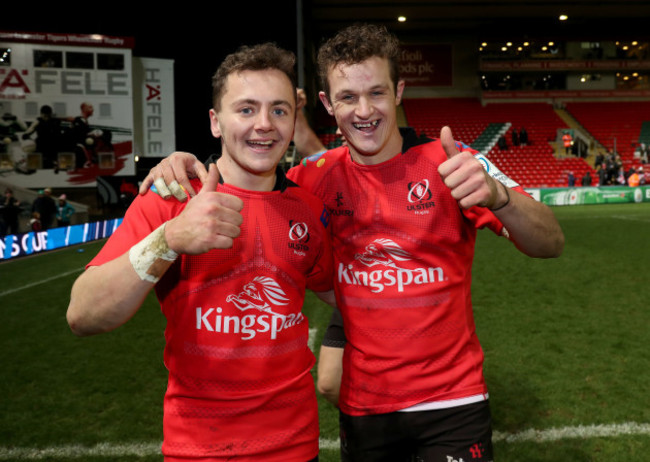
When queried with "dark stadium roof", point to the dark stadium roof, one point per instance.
{"points": [[588, 19]]}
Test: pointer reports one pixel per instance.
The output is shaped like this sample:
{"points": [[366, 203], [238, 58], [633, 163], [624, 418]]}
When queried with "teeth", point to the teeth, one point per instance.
{"points": [[367, 125], [262, 143]]}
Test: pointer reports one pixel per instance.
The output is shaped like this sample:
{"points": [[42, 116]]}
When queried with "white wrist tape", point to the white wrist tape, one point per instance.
{"points": [[147, 254]]}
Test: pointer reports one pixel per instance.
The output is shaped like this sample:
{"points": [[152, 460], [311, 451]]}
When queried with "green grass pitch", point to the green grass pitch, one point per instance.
{"points": [[565, 341]]}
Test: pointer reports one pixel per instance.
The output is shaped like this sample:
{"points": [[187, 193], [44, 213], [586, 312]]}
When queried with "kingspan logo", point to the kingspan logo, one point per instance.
{"points": [[258, 299], [380, 265]]}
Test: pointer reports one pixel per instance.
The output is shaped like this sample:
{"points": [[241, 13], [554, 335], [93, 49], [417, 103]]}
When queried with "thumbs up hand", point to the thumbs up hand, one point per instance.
{"points": [[466, 178], [211, 220]]}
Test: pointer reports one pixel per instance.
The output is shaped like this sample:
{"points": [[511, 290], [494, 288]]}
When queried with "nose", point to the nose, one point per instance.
{"points": [[364, 108], [263, 121]]}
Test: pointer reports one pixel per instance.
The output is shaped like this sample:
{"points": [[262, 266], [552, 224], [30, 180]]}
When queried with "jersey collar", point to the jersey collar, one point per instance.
{"points": [[281, 181]]}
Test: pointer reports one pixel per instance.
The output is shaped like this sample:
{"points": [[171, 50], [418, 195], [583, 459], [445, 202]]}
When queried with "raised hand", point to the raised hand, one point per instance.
{"points": [[171, 176], [464, 175], [211, 220]]}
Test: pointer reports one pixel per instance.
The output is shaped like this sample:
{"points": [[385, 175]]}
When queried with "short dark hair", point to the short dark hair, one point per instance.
{"points": [[253, 58], [355, 44]]}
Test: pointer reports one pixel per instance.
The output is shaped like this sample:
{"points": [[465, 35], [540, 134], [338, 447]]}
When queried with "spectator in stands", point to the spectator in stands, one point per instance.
{"points": [[64, 211], [603, 175], [644, 153], [586, 180], [600, 158], [502, 143], [572, 180], [567, 141], [35, 222], [612, 170], [515, 137], [10, 212], [46, 207], [523, 136]]}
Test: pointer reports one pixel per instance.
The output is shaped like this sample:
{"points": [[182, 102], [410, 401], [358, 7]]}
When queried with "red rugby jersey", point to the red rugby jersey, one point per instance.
{"points": [[403, 252], [236, 340]]}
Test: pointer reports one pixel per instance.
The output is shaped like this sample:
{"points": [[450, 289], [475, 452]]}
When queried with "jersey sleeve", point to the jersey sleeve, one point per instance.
{"points": [[335, 335], [312, 170], [145, 214]]}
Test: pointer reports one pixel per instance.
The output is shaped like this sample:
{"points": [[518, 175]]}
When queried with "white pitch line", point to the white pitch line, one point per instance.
{"points": [[41, 281], [311, 342], [152, 449], [81, 452], [579, 432]]}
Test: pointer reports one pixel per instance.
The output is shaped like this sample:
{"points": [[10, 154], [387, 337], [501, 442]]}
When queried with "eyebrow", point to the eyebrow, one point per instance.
{"points": [[255, 102], [379, 86]]}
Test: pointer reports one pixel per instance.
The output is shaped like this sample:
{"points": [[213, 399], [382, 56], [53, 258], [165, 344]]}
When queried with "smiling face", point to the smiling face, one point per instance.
{"points": [[255, 122], [364, 101]]}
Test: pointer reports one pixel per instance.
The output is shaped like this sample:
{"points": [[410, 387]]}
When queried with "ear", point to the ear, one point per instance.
{"points": [[399, 91], [326, 102], [214, 124]]}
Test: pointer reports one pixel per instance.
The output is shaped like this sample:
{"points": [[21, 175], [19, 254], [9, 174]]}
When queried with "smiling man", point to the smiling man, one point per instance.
{"points": [[230, 269], [405, 213], [363, 99], [404, 218]]}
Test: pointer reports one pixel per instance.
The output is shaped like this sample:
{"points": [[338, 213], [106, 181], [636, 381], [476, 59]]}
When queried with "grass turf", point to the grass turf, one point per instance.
{"points": [[564, 340]]}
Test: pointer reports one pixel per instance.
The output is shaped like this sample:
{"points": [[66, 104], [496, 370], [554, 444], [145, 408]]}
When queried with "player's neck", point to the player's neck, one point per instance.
{"points": [[392, 148], [234, 175]]}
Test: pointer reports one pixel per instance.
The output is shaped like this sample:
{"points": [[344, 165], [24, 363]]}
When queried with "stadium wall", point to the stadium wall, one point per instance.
{"points": [[20, 245], [591, 195]]}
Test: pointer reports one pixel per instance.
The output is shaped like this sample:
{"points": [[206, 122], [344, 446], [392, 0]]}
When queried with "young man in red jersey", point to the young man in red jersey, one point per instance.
{"points": [[404, 216], [230, 269]]}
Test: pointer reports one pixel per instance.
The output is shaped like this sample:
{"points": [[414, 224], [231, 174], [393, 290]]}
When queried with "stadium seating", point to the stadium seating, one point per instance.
{"points": [[618, 125], [535, 164]]}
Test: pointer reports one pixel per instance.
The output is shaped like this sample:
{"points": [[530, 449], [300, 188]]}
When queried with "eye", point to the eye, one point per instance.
{"points": [[246, 110], [279, 112]]}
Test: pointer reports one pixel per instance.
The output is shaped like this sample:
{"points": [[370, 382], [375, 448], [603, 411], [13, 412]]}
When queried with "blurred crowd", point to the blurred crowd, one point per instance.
{"points": [[611, 172], [44, 212]]}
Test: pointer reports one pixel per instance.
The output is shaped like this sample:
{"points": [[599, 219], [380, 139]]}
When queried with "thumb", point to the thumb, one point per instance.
{"points": [[201, 172], [448, 143], [212, 180]]}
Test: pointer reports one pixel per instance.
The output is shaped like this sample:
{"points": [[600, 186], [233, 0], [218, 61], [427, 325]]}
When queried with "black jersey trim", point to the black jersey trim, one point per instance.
{"points": [[410, 139], [281, 180]]}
